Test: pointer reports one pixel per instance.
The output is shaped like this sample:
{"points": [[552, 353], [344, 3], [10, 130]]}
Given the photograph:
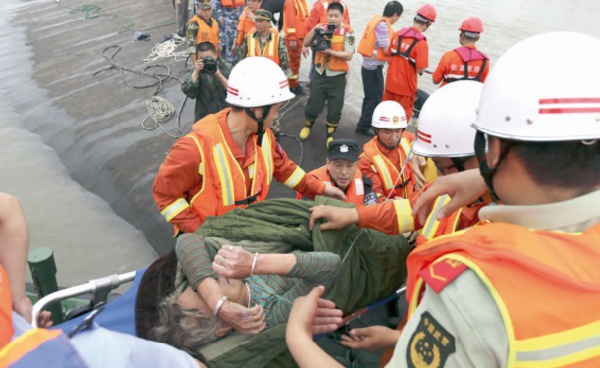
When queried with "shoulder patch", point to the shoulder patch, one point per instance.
{"points": [[440, 274], [430, 345], [351, 40]]}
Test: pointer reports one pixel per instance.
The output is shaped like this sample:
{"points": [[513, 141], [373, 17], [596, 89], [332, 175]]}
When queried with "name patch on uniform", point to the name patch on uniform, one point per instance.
{"points": [[430, 345]]}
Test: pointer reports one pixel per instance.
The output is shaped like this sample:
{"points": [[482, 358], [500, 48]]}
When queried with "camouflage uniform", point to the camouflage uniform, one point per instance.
{"points": [[228, 19]]}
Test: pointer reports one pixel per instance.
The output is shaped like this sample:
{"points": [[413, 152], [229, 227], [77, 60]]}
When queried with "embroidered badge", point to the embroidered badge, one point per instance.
{"points": [[395, 119], [343, 148], [351, 40], [430, 345]]}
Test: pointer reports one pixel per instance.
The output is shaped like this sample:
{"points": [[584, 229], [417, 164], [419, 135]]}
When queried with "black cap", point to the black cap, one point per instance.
{"points": [[344, 148]]}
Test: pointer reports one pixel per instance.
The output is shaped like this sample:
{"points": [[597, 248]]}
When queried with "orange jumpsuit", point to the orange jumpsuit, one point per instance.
{"points": [[401, 80], [295, 16], [179, 180], [451, 68]]}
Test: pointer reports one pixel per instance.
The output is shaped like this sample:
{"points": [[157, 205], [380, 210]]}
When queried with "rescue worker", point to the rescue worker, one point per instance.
{"points": [[481, 297], [385, 157], [229, 159], [227, 14], [464, 62], [341, 171], [295, 16], [245, 23], [208, 89], [265, 41], [201, 28], [374, 47], [410, 58], [22, 346], [331, 65]]}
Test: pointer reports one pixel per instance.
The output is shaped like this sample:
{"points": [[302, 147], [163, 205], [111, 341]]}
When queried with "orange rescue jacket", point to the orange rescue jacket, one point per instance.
{"points": [[245, 25], [337, 44], [295, 17], [355, 193], [206, 32], [366, 47], [271, 49], [559, 325], [387, 172], [232, 3]]}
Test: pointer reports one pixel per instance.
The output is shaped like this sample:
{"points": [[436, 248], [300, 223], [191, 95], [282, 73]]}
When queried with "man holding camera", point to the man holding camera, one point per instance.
{"points": [[334, 47], [208, 82]]}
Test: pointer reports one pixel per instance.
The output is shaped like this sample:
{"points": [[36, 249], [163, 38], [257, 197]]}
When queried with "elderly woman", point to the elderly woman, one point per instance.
{"points": [[231, 287]]}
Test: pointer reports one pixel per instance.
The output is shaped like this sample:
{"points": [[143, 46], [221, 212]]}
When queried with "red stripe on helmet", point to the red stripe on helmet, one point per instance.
{"points": [[570, 110], [233, 91], [423, 136], [546, 101]]}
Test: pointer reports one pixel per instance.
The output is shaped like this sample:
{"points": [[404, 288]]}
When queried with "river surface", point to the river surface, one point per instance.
{"points": [[65, 154]]}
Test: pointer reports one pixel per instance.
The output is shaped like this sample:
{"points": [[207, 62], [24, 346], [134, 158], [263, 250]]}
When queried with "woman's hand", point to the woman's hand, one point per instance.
{"points": [[249, 321], [233, 262]]}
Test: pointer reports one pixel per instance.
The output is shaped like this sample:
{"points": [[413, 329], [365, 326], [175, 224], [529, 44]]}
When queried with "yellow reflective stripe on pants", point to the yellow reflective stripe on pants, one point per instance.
{"points": [[432, 224], [295, 178], [560, 349], [174, 209], [224, 175], [406, 222]]}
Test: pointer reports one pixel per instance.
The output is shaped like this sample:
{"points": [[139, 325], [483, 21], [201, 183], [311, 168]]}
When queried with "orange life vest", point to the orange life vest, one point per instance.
{"points": [[366, 47], [560, 326], [6, 308], [223, 182], [245, 25], [388, 172], [232, 3], [271, 49], [300, 14], [206, 33], [355, 193], [404, 42], [337, 44], [468, 54]]}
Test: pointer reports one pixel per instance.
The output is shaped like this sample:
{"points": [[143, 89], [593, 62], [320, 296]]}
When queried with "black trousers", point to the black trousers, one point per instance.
{"points": [[373, 84]]}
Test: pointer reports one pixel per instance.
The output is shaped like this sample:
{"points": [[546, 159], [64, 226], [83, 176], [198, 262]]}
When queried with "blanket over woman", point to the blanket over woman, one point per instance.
{"points": [[373, 267]]}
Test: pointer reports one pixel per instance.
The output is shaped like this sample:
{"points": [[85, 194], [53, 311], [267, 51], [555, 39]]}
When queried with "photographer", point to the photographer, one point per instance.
{"points": [[208, 82], [334, 47]]}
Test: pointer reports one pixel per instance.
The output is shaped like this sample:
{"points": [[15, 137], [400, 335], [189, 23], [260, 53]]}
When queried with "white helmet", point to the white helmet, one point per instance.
{"points": [[535, 94], [446, 121], [389, 115], [257, 81]]}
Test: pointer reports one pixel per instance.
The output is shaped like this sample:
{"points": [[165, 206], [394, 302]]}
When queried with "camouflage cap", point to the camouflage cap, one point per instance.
{"points": [[203, 4], [263, 14]]}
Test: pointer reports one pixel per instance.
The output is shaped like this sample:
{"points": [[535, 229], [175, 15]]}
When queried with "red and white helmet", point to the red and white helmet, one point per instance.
{"points": [[257, 81], [532, 95], [389, 115], [446, 121], [472, 25], [428, 12]]}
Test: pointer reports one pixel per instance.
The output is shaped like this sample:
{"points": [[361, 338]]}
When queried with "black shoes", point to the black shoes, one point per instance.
{"points": [[366, 132]]}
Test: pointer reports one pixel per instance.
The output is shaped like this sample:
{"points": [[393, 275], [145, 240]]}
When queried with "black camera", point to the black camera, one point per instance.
{"points": [[210, 65], [323, 37]]}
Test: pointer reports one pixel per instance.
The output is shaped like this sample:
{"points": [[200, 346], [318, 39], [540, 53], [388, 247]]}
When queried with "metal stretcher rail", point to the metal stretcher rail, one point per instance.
{"points": [[99, 288]]}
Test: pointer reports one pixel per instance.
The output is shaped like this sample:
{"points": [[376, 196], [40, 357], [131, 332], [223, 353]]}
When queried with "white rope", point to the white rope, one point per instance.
{"points": [[167, 49], [160, 111]]}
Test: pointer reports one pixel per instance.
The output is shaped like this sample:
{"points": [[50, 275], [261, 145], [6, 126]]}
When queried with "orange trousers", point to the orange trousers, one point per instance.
{"points": [[294, 60], [407, 101]]}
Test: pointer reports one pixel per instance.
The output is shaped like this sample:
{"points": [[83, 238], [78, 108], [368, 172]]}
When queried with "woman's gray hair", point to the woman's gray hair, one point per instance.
{"points": [[188, 329]]}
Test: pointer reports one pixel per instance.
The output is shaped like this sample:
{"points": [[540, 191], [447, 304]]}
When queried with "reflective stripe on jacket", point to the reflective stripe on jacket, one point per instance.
{"points": [[271, 49]]}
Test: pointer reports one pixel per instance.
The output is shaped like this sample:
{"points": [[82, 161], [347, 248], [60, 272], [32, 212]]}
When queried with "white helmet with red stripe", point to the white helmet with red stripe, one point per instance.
{"points": [[532, 94], [446, 121], [389, 115], [257, 81]]}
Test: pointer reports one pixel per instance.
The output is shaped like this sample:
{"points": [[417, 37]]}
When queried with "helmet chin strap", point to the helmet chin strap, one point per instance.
{"points": [[386, 146], [260, 121], [487, 172]]}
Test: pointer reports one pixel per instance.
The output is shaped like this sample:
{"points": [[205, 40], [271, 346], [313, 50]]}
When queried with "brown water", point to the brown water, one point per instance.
{"points": [[86, 129]]}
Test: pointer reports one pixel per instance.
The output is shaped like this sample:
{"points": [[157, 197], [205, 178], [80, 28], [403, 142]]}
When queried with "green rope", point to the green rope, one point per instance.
{"points": [[92, 11]]}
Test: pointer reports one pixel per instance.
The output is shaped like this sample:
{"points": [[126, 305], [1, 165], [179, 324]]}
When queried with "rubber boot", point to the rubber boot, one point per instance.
{"points": [[305, 132], [331, 127]]}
